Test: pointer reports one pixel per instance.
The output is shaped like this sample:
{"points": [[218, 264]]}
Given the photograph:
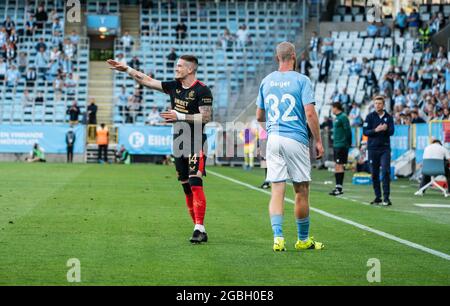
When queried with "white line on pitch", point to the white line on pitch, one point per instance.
{"points": [[432, 205], [347, 221]]}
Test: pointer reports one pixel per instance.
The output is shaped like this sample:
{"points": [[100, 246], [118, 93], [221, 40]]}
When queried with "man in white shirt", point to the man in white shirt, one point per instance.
{"points": [[153, 117], [242, 36], [127, 41], [436, 151]]}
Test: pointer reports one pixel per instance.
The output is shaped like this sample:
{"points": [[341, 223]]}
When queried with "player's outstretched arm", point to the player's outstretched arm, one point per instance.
{"points": [[313, 122], [139, 77]]}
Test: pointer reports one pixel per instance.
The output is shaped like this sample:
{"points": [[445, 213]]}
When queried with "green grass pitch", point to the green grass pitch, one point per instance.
{"points": [[128, 225]]}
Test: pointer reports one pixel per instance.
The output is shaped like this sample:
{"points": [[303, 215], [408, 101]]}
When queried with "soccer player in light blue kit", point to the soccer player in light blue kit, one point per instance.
{"points": [[286, 103]]}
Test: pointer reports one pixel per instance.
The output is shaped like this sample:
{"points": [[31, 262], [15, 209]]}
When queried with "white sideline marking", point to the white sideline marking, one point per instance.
{"points": [[350, 222], [432, 205]]}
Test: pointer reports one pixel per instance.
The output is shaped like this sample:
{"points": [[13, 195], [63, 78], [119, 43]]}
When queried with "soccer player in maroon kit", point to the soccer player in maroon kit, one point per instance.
{"points": [[191, 102]]}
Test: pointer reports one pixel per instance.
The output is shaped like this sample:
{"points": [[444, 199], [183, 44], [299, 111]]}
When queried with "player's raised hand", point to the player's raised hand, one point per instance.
{"points": [[115, 65], [319, 150]]}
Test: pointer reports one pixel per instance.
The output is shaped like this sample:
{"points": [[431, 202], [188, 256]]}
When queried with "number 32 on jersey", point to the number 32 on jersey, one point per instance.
{"points": [[275, 113]]}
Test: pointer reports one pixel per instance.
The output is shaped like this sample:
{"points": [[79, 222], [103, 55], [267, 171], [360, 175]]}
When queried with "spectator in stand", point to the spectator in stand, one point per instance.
{"points": [[328, 46], [122, 101], [446, 114], [58, 85], [324, 67], [30, 26], [378, 52], [304, 64], [411, 98], [103, 10], [154, 28], [13, 36], [413, 23], [41, 17], [30, 77], [398, 82], [52, 71], [127, 41], [57, 25], [41, 62], [171, 58], [22, 63], [242, 36], [54, 54], [354, 68], [180, 32], [414, 84], [66, 65], [74, 112], [92, 112], [153, 117], [74, 38], [70, 86], [355, 115], [226, 40], [3, 69], [384, 30], [8, 24], [135, 63], [41, 45], [39, 100], [11, 53], [27, 100], [427, 76], [68, 49], [401, 21], [372, 30], [399, 101], [57, 41], [344, 99], [371, 81], [314, 45], [12, 76]]}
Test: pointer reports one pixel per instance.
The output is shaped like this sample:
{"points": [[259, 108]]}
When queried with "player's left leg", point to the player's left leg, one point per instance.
{"points": [[301, 212], [276, 212], [196, 172]]}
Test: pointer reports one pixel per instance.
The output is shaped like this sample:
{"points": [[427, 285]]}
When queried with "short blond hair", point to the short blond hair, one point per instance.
{"points": [[285, 51]]}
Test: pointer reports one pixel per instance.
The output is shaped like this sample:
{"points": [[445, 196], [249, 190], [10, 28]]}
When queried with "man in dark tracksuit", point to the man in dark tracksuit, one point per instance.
{"points": [[379, 127]]}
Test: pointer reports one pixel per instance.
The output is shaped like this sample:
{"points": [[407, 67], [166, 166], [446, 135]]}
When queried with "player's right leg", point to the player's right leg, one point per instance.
{"points": [[182, 168]]}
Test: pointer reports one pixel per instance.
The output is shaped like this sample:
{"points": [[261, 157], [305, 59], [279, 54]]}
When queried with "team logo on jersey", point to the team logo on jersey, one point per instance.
{"points": [[178, 91], [191, 95]]}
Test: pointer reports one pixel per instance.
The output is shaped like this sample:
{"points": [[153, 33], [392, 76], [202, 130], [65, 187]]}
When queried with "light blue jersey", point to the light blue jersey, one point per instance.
{"points": [[283, 96]]}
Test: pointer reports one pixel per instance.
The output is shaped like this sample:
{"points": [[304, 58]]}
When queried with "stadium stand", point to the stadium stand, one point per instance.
{"points": [[228, 62], [46, 99], [411, 62]]}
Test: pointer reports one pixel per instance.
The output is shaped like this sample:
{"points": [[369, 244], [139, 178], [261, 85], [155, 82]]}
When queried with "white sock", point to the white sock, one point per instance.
{"points": [[200, 227]]}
